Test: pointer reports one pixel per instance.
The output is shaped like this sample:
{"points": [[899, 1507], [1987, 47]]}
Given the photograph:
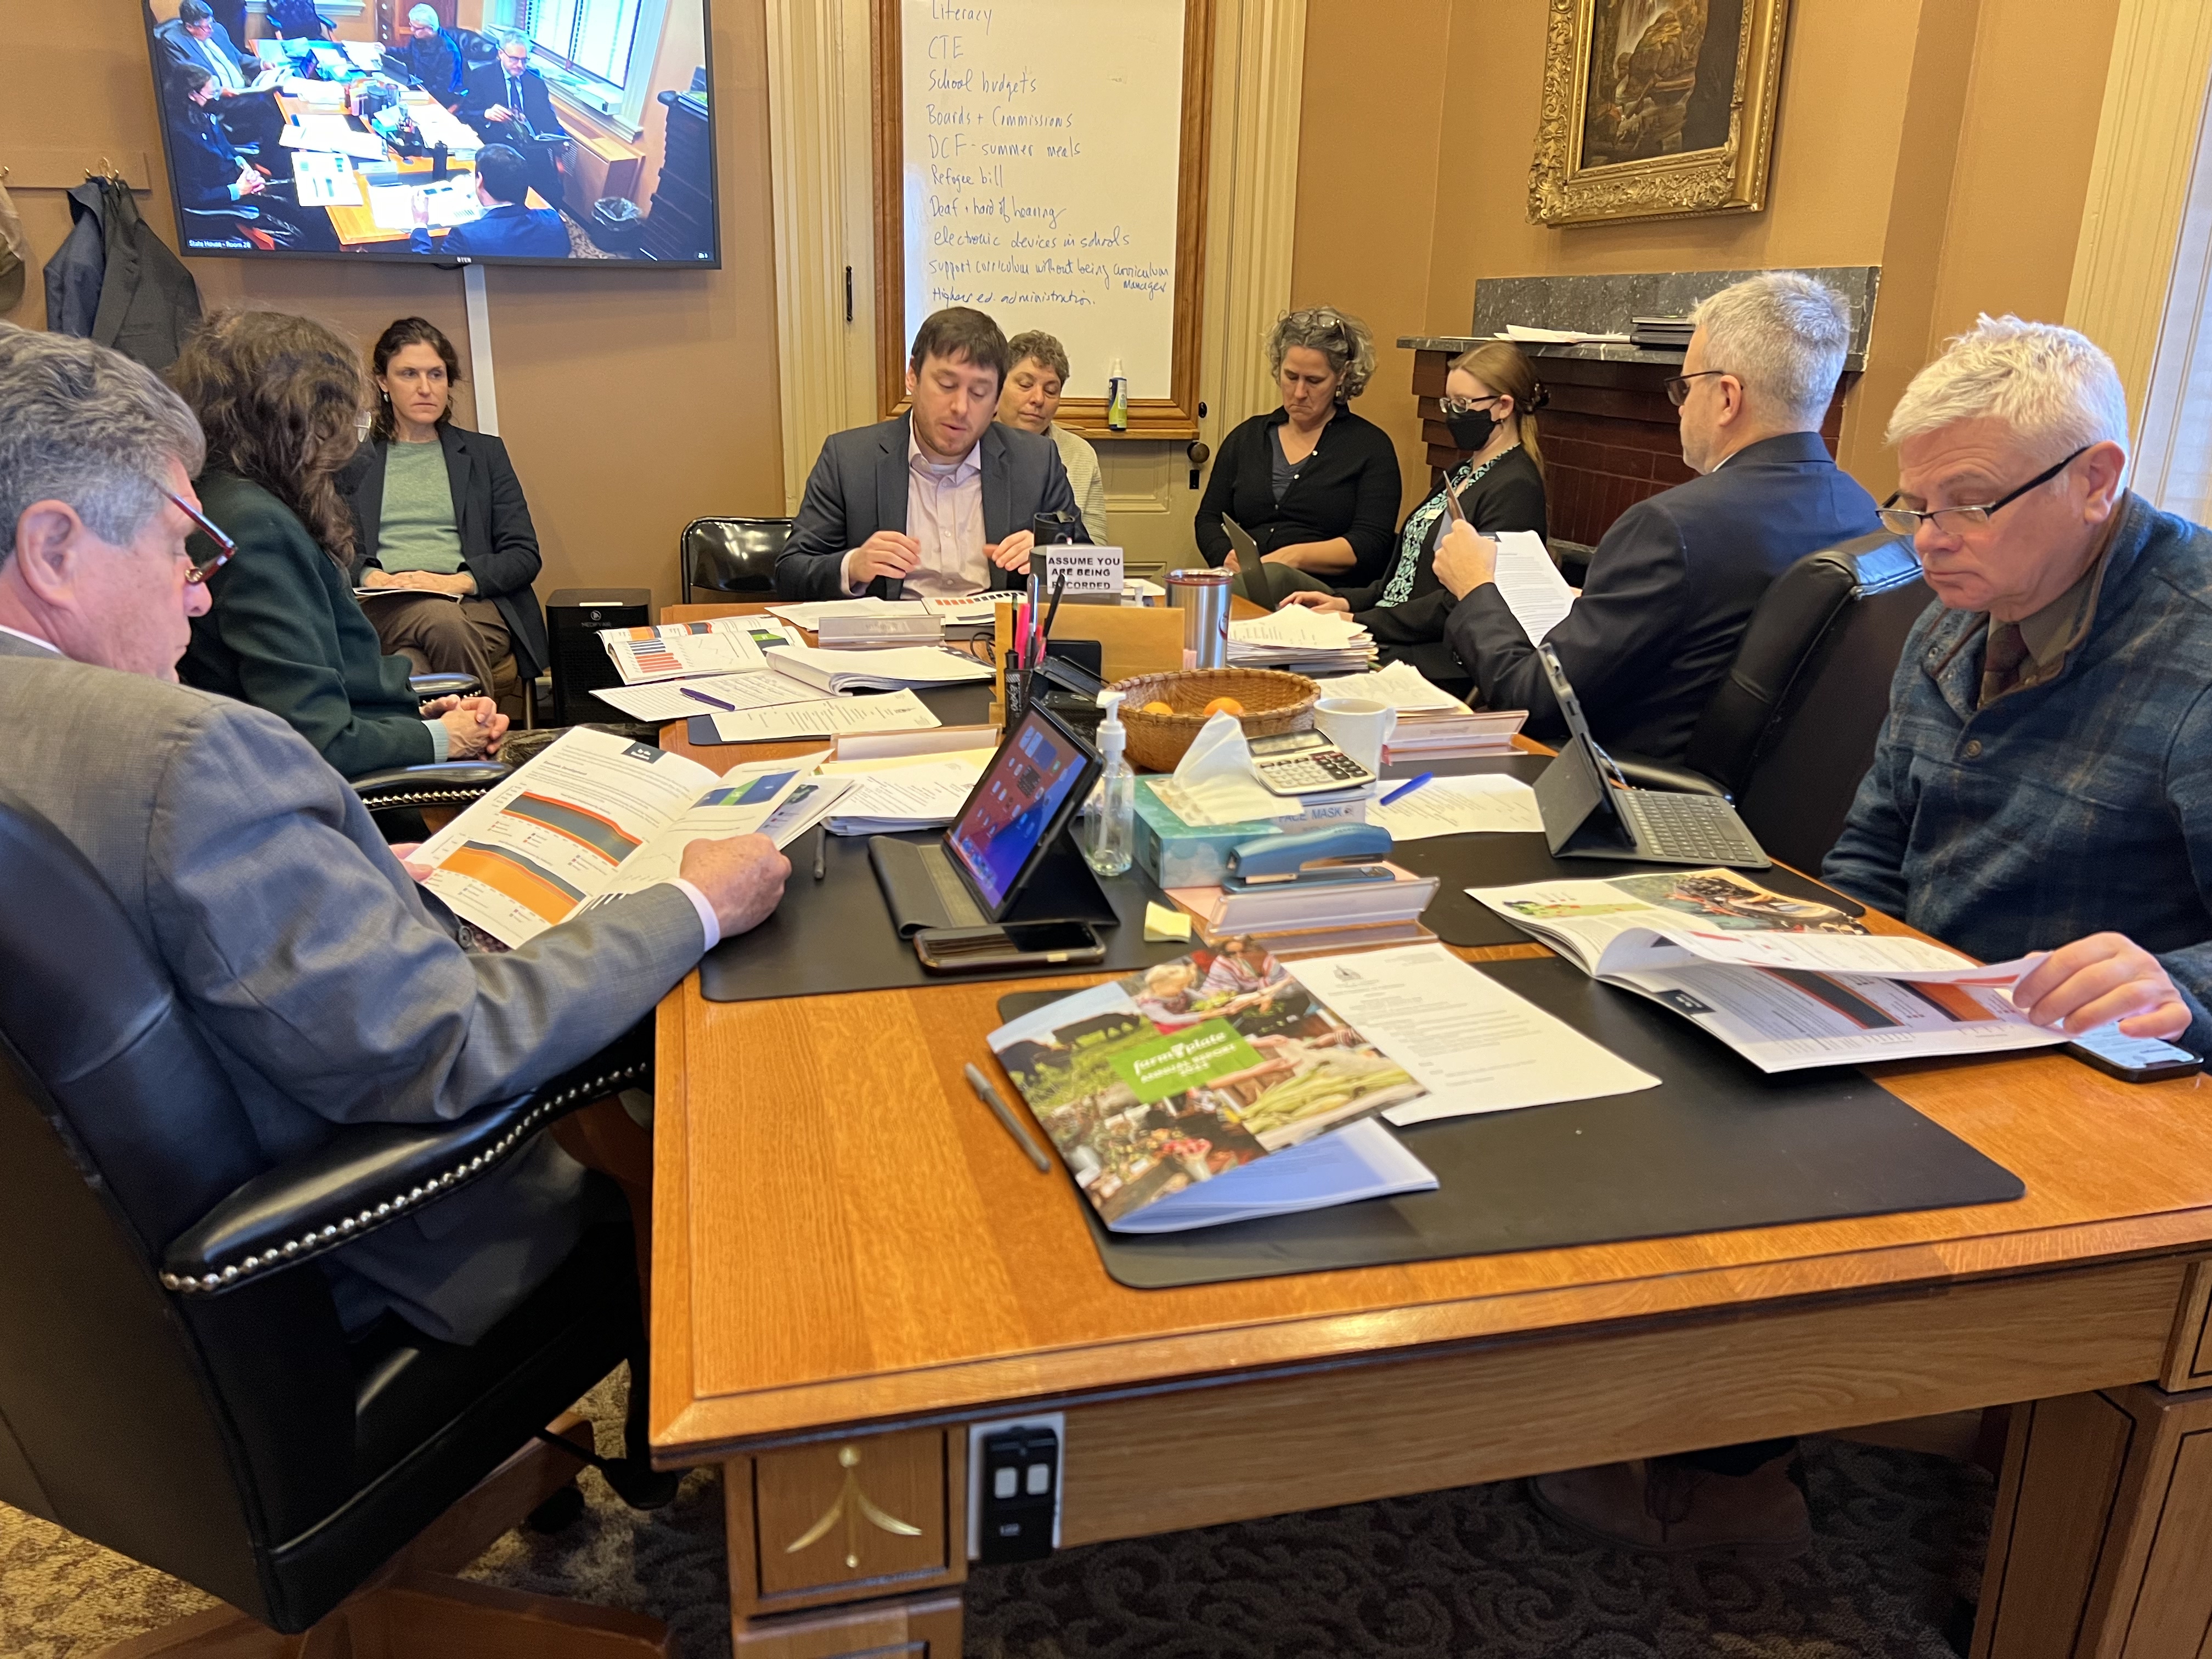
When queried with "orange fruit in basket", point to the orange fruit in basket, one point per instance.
{"points": [[1224, 705], [1155, 707]]}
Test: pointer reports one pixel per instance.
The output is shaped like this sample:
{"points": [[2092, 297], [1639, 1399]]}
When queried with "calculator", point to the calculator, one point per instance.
{"points": [[1305, 764]]}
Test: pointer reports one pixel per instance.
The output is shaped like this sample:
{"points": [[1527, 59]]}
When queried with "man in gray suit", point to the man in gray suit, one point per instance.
{"points": [[938, 504], [328, 988]]}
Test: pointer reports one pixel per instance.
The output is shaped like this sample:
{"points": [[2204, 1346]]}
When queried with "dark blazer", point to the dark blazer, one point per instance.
{"points": [[115, 282], [207, 162], [485, 86], [511, 229], [1349, 487], [297, 20], [1670, 588], [859, 486], [1509, 495], [285, 634], [499, 544], [179, 48]]}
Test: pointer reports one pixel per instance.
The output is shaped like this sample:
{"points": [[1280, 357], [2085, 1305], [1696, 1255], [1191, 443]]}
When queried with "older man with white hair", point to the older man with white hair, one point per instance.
{"points": [[1673, 582], [430, 56], [327, 986], [2044, 778]]}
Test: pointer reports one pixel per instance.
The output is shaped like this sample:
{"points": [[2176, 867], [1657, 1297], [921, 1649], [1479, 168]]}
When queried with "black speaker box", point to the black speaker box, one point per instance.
{"points": [[574, 617]]}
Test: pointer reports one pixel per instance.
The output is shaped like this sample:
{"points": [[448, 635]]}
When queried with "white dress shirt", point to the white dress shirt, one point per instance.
{"points": [[944, 514]]}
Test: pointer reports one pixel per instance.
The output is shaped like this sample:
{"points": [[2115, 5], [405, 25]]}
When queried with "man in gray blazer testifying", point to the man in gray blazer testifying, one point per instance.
{"points": [[327, 987], [938, 504]]}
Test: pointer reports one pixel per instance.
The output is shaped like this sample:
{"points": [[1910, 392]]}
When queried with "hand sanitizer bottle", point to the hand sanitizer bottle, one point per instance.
{"points": [[1117, 398], [1110, 816]]}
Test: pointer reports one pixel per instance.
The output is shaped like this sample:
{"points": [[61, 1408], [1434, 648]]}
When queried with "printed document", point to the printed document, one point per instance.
{"points": [[593, 815], [1400, 685], [827, 717], [676, 651], [1478, 803], [809, 615], [672, 700], [1531, 585], [1786, 982], [1474, 1045], [917, 796], [887, 669], [326, 179]]}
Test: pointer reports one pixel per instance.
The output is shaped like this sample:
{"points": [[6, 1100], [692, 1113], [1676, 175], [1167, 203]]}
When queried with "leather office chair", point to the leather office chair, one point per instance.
{"points": [[477, 49], [1791, 731], [434, 783], [732, 556], [176, 1385]]}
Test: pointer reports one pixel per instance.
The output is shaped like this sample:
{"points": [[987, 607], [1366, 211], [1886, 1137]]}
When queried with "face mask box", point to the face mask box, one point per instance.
{"points": [[1178, 854]]}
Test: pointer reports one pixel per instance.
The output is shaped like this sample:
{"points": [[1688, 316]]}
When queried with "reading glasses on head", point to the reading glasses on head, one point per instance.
{"points": [[1906, 521]]}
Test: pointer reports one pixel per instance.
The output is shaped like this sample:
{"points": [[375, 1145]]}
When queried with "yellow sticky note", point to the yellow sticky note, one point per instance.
{"points": [[1163, 925]]}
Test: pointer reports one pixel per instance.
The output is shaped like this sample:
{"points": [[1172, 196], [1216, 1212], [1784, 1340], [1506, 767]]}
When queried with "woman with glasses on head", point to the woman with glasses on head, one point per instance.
{"points": [[278, 398], [1314, 485], [442, 537], [1490, 401]]}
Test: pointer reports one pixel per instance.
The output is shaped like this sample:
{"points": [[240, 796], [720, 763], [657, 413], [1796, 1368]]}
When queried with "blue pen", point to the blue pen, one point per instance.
{"points": [[727, 708], [1405, 788]]}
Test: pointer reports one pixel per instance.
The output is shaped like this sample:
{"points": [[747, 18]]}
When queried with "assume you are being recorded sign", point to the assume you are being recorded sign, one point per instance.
{"points": [[1040, 169]]}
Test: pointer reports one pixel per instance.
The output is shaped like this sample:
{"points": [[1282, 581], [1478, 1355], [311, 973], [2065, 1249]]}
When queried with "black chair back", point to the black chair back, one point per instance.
{"points": [[185, 1436], [477, 49], [1792, 730], [732, 556]]}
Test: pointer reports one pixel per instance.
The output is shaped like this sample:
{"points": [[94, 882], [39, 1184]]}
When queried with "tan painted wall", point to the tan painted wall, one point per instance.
{"points": [[632, 401], [1949, 141]]}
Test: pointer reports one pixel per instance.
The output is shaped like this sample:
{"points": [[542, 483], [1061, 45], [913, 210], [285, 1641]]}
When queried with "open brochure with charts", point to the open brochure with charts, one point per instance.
{"points": [[1786, 982], [676, 651], [593, 816]]}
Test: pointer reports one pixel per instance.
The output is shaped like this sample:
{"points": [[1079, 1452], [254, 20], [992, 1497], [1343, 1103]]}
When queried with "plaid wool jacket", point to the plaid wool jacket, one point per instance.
{"points": [[2079, 806]]}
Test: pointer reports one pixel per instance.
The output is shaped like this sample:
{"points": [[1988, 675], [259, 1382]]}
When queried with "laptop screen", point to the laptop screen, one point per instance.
{"points": [[1019, 802]]}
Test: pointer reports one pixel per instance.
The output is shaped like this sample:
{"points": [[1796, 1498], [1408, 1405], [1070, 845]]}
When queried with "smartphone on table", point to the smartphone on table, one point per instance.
{"points": [[2133, 1060]]}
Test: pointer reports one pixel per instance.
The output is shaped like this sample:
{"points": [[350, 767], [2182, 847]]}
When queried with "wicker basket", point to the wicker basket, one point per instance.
{"points": [[1274, 703]]}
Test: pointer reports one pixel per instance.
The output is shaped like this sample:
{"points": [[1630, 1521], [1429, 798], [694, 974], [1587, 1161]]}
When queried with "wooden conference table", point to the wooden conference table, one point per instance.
{"points": [[354, 222], [853, 1262]]}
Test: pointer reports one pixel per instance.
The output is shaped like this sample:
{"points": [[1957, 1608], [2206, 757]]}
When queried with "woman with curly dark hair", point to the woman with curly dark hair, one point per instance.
{"points": [[278, 397]]}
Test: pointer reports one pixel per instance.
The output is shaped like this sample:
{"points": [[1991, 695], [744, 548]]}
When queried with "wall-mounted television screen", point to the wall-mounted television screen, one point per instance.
{"points": [[514, 132]]}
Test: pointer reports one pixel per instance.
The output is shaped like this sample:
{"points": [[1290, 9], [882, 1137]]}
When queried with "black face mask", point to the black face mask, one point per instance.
{"points": [[1472, 430]]}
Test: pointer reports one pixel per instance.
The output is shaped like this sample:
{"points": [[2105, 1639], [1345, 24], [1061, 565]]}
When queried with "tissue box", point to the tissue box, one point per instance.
{"points": [[1178, 854]]}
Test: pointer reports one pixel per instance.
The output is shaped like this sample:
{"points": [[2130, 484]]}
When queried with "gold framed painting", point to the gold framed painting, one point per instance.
{"points": [[1656, 109]]}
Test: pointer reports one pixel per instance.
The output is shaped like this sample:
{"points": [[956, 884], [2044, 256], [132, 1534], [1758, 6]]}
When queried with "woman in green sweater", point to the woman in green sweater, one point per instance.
{"points": [[278, 397]]}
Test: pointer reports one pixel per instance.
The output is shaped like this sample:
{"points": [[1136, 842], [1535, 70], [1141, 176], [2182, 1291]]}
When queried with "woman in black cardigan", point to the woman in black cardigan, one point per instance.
{"points": [[1314, 485], [1490, 397], [446, 517]]}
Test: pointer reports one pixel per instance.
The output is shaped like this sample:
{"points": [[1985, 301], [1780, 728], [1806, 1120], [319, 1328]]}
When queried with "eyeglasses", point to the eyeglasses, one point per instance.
{"points": [[224, 547], [1678, 387], [1906, 521], [1466, 405]]}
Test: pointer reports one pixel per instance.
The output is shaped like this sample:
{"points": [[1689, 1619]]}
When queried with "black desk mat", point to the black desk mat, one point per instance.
{"points": [[955, 705], [1718, 1145], [836, 934], [1463, 861]]}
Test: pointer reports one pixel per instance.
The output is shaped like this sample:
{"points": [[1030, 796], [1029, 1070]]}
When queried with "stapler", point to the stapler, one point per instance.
{"points": [[1269, 861]]}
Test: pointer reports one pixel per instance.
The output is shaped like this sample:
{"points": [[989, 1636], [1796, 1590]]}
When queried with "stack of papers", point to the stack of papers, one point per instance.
{"points": [[454, 203], [676, 651], [326, 130], [1558, 336], [678, 700], [439, 125], [900, 668], [809, 615], [1483, 802], [326, 179], [1300, 641], [826, 717], [1432, 723], [914, 797], [315, 95]]}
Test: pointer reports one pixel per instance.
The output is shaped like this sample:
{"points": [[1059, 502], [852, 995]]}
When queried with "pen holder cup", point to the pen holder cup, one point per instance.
{"points": [[1274, 703]]}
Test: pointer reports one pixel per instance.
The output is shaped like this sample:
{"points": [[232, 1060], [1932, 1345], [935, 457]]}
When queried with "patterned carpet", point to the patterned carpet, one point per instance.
{"points": [[1477, 1572]]}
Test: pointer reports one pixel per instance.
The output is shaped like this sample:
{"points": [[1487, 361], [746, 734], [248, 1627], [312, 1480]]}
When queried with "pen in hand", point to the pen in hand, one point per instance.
{"points": [[989, 1096]]}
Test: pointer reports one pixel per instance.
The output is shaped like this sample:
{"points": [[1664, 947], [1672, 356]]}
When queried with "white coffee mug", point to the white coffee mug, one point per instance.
{"points": [[1358, 727]]}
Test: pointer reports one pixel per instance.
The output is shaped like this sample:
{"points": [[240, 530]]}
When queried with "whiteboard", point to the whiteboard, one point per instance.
{"points": [[1041, 162]]}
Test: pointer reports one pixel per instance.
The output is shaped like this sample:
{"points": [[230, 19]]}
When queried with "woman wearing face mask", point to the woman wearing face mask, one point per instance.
{"points": [[1314, 485], [1490, 397]]}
